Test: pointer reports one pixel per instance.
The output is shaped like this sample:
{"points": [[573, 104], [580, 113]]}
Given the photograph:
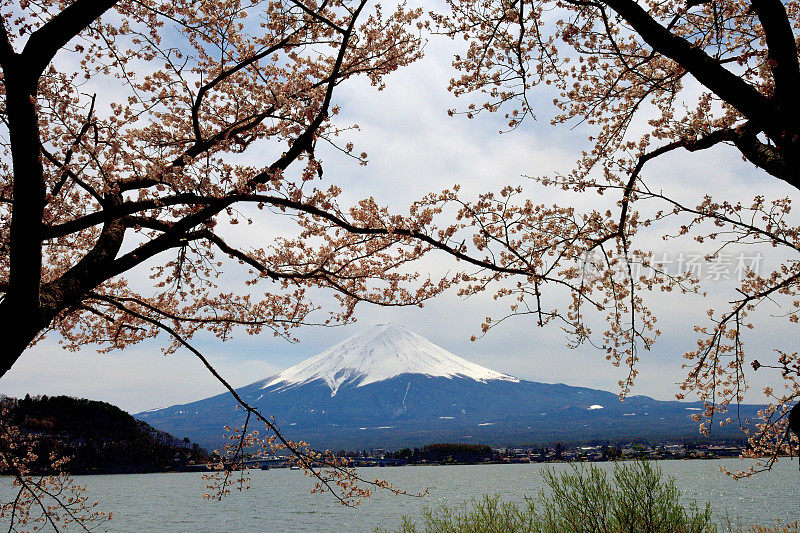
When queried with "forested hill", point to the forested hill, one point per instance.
{"points": [[99, 437]]}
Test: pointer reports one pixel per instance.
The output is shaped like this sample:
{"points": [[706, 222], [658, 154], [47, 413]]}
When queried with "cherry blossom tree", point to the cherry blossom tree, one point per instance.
{"points": [[129, 134], [647, 79]]}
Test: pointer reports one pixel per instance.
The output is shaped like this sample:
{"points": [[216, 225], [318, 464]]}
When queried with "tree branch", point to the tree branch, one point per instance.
{"points": [[44, 43], [742, 96], [781, 57], [304, 458]]}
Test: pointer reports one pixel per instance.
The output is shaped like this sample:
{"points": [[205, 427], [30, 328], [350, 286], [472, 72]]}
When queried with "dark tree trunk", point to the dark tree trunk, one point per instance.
{"points": [[17, 330]]}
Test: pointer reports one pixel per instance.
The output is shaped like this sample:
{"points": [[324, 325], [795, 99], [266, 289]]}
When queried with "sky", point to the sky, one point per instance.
{"points": [[414, 147]]}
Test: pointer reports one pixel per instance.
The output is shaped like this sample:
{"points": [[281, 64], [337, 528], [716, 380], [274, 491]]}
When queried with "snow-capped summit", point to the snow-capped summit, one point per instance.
{"points": [[379, 353]]}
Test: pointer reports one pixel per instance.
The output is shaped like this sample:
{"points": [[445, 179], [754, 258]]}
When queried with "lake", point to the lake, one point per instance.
{"points": [[279, 499]]}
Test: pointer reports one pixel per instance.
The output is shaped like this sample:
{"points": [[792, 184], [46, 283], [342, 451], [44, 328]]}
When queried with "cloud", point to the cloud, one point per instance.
{"points": [[415, 148], [137, 379]]}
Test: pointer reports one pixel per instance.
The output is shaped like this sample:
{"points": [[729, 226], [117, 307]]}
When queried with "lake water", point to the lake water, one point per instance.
{"points": [[279, 499]]}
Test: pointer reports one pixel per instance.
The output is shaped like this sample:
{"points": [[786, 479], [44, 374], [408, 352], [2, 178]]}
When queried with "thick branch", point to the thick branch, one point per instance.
{"points": [[782, 55], [745, 138], [707, 70], [45, 42]]}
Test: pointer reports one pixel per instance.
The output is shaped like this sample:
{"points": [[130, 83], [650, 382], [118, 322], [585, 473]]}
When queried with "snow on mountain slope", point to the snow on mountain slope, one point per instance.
{"points": [[381, 352]]}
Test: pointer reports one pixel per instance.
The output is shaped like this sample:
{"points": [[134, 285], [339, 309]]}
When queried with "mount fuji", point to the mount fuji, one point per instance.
{"points": [[389, 387], [380, 353]]}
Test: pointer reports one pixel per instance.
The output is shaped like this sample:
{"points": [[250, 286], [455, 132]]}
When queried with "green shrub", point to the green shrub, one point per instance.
{"points": [[637, 498], [641, 500]]}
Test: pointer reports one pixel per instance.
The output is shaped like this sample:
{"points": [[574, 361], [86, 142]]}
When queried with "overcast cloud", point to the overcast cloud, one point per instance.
{"points": [[415, 148]]}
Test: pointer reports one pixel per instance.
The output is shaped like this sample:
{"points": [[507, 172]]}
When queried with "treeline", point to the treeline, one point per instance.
{"points": [[98, 438], [445, 453]]}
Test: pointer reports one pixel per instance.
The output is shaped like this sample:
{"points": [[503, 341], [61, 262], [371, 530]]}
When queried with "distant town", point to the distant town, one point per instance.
{"points": [[455, 454]]}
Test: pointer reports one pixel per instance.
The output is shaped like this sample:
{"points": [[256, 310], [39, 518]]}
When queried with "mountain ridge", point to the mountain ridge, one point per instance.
{"points": [[336, 400]]}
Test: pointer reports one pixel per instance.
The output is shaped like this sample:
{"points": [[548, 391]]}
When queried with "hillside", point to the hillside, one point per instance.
{"points": [[99, 437]]}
